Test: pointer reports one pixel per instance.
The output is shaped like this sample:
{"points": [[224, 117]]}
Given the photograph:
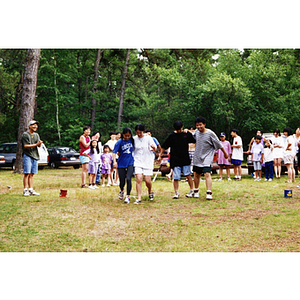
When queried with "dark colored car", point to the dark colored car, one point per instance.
{"points": [[63, 156]]}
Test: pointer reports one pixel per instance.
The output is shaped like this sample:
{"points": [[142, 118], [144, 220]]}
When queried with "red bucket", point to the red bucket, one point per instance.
{"points": [[63, 193]]}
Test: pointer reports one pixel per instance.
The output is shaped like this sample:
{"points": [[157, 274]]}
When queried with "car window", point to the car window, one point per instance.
{"points": [[13, 148], [1, 149]]}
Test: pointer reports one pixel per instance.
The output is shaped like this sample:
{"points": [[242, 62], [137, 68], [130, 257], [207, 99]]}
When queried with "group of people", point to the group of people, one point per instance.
{"points": [[191, 151], [128, 154]]}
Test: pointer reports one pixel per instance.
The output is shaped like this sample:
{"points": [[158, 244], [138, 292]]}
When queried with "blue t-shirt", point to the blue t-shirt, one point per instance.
{"points": [[125, 149]]}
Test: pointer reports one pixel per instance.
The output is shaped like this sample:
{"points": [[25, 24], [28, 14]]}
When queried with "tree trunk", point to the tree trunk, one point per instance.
{"points": [[56, 99], [94, 102], [28, 100], [123, 89]]}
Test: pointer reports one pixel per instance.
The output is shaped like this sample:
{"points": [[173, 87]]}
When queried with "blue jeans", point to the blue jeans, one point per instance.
{"points": [[98, 176], [269, 169], [30, 165]]}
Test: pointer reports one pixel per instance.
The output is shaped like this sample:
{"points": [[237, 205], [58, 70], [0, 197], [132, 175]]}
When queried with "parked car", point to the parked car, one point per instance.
{"points": [[9, 150], [63, 156]]}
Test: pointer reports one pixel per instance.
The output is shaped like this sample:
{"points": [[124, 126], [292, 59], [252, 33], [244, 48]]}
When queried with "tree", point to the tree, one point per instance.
{"points": [[96, 75], [28, 100], [123, 88]]}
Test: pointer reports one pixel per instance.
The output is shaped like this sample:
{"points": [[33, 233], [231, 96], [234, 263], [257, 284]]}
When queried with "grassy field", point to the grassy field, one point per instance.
{"points": [[245, 216]]}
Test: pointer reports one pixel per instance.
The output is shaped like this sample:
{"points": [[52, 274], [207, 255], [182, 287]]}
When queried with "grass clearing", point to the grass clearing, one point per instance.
{"points": [[245, 216]]}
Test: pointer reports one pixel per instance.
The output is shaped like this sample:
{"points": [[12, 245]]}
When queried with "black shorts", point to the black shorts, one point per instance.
{"points": [[201, 170]]}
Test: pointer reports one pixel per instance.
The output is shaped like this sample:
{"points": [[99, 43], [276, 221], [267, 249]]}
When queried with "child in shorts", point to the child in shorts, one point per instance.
{"points": [[222, 161], [106, 159], [237, 154]]}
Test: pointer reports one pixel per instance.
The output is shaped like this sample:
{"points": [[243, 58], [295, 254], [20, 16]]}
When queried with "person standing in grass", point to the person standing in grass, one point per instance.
{"points": [[106, 159], [94, 155], [222, 161], [257, 152], [124, 149], [278, 152], [143, 161], [84, 143], [289, 154], [30, 141], [237, 154], [207, 143], [269, 160], [179, 156], [111, 144]]}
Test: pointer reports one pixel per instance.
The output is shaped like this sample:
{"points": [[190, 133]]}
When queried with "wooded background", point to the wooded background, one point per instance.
{"points": [[109, 89]]}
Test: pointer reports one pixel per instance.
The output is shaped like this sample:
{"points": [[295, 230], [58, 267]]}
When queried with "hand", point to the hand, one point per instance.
{"points": [[39, 143], [115, 165], [89, 157], [159, 158], [153, 147], [225, 155]]}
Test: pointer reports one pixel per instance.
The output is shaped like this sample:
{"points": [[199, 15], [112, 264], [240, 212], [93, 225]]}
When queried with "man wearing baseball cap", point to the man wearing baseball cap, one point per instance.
{"points": [[30, 142]]}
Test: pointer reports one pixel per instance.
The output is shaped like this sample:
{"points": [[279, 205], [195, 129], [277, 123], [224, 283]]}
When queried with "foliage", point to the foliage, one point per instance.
{"points": [[246, 89]]}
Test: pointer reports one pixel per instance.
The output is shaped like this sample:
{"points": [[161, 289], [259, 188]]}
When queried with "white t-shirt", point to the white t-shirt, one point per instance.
{"points": [[142, 154], [237, 153], [290, 140]]}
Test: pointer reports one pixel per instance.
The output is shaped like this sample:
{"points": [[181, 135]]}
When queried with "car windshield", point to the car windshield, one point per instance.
{"points": [[65, 150]]}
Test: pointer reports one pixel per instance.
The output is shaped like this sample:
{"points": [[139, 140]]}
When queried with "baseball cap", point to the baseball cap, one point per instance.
{"points": [[222, 134], [33, 122]]}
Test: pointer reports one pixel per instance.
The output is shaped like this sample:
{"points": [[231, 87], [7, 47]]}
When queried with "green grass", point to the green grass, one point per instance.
{"points": [[245, 216]]}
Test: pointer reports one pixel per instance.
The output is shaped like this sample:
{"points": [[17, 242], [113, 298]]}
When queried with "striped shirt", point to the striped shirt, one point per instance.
{"points": [[206, 144]]}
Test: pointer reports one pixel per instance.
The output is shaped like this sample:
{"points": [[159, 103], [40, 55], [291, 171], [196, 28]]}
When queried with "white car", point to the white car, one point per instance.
{"points": [[9, 150]]}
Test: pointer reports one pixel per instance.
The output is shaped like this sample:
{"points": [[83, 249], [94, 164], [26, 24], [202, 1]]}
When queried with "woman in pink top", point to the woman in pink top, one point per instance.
{"points": [[222, 161], [84, 143]]}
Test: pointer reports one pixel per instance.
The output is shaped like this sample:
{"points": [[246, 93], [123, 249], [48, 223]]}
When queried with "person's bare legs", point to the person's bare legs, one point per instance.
{"points": [[228, 171], [148, 183], [221, 172], [176, 185], [208, 181], [139, 180], [190, 181], [85, 168]]}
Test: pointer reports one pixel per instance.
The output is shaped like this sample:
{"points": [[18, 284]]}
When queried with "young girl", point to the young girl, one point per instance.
{"points": [[106, 159], [289, 154], [222, 161], [124, 148], [94, 156], [268, 159], [84, 143], [277, 152]]}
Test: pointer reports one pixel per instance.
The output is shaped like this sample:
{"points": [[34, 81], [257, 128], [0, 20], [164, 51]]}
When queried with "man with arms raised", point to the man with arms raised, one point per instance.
{"points": [[30, 142]]}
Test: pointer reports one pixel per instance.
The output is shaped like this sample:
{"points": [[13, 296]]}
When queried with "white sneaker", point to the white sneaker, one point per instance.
{"points": [[26, 193], [33, 193], [270, 179], [220, 179], [208, 195], [258, 179], [115, 184], [103, 185], [196, 194], [95, 186], [91, 187], [138, 201], [190, 194], [108, 184], [229, 179], [266, 179], [176, 196], [127, 199]]}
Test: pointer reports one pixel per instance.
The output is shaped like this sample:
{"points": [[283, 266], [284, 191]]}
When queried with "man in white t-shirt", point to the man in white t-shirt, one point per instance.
{"points": [[237, 154]]}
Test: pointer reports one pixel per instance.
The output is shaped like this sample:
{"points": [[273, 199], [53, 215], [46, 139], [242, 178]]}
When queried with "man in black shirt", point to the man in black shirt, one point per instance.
{"points": [[179, 157]]}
